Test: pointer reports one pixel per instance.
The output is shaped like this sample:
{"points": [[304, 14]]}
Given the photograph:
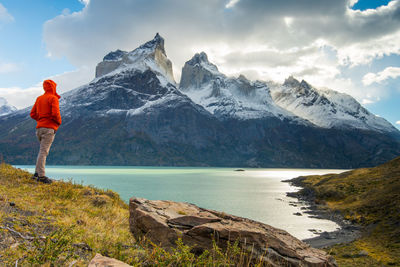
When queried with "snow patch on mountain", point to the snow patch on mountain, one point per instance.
{"points": [[150, 106], [228, 97], [149, 56], [326, 108], [5, 108]]}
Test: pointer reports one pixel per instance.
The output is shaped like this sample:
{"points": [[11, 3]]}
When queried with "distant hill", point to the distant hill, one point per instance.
{"points": [[134, 113], [5, 108]]}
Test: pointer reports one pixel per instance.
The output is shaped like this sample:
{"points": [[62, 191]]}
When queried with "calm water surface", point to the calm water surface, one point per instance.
{"points": [[257, 194]]}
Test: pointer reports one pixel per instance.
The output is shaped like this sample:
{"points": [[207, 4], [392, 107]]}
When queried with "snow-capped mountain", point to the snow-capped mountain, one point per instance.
{"points": [[326, 108], [132, 113], [5, 108], [227, 97], [127, 82], [134, 86], [150, 55]]}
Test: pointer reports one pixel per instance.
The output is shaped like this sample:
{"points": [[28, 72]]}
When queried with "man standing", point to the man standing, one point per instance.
{"points": [[46, 112]]}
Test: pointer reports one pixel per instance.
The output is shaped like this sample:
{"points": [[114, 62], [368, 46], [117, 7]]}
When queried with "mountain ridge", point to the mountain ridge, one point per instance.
{"points": [[133, 113]]}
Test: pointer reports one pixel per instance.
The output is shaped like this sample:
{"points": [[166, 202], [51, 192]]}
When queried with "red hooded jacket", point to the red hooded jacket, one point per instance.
{"points": [[46, 110]]}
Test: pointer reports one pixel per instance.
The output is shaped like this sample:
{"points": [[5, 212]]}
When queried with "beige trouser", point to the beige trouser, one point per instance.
{"points": [[46, 137]]}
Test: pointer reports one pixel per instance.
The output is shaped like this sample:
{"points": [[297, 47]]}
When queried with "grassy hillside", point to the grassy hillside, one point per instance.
{"points": [[63, 223], [369, 197]]}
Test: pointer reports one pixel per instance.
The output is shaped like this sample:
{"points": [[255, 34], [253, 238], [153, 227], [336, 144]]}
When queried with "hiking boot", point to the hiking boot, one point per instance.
{"points": [[45, 180], [35, 176]]}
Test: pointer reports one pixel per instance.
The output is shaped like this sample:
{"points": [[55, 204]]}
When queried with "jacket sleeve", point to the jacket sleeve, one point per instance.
{"points": [[55, 111], [34, 114]]}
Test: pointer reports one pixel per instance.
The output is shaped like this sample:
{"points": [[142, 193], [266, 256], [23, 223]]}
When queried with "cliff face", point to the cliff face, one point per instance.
{"points": [[150, 52]]}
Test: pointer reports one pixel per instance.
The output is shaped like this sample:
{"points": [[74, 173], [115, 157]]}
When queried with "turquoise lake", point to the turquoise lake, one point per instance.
{"points": [[257, 194]]}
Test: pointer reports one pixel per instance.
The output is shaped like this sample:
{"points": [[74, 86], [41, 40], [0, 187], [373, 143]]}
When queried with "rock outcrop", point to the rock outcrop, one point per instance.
{"points": [[102, 261], [163, 222]]}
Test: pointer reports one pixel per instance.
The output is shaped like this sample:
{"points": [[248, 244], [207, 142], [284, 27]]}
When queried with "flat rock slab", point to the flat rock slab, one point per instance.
{"points": [[163, 222], [102, 261]]}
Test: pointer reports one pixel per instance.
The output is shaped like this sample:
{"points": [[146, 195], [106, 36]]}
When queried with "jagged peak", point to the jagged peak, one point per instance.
{"points": [[291, 82], [139, 58], [305, 84], [115, 55], [243, 78], [198, 58], [156, 43], [294, 83], [201, 60]]}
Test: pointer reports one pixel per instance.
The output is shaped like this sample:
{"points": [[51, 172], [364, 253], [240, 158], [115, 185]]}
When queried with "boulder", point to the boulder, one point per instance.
{"points": [[163, 222], [102, 261]]}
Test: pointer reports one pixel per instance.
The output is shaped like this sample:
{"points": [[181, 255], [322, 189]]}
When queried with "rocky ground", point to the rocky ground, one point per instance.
{"points": [[347, 232]]}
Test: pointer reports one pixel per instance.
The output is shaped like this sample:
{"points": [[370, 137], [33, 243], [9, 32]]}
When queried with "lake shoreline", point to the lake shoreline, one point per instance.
{"points": [[348, 231], [223, 189]]}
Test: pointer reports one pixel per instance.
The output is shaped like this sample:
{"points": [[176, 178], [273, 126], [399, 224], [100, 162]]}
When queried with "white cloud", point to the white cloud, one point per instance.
{"points": [[362, 53], [231, 3], [398, 122], [73, 79], [5, 17], [24, 97], [8, 67], [21, 97], [262, 39], [367, 101], [389, 72]]}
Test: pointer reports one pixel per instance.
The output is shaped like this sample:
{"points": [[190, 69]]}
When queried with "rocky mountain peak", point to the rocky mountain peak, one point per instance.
{"points": [[157, 44], [243, 78], [115, 55], [198, 58], [150, 55], [291, 82], [301, 88], [305, 85], [198, 71]]}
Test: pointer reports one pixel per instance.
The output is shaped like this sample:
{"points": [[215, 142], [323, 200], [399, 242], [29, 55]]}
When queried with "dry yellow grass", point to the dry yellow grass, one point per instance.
{"points": [[92, 216], [63, 223], [370, 197]]}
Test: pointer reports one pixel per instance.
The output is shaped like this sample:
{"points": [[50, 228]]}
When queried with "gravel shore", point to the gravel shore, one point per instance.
{"points": [[348, 231]]}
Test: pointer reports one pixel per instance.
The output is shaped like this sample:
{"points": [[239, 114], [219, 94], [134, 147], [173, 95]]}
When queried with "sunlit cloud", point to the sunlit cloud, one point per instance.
{"points": [[231, 3], [288, 21], [276, 38], [389, 72], [398, 122], [24, 97], [366, 101], [21, 97]]}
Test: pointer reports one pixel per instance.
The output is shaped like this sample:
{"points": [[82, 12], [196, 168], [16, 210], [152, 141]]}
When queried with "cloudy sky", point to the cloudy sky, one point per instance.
{"points": [[347, 45]]}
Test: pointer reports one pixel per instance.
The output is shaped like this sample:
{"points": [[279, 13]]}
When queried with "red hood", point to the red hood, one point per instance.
{"points": [[49, 86]]}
